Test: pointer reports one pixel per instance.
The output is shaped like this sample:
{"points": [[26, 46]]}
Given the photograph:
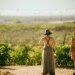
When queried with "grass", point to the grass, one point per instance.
{"points": [[31, 33]]}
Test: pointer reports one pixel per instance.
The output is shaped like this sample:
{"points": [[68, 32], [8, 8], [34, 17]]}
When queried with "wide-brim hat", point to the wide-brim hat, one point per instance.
{"points": [[48, 32]]}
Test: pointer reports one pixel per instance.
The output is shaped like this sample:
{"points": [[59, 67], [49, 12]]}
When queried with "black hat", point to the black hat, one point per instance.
{"points": [[48, 32]]}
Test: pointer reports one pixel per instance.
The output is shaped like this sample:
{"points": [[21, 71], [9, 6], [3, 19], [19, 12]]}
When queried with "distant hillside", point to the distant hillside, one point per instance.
{"points": [[36, 19]]}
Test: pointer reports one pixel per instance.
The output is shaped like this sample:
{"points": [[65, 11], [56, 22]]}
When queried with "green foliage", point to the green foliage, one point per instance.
{"points": [[62, 56], [25, 55], [35, 56], [19, 55], [4, 54], [30, 55]]}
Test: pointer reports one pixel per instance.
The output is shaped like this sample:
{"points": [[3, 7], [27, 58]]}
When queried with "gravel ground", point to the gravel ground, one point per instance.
{"points": [[32, 70]]}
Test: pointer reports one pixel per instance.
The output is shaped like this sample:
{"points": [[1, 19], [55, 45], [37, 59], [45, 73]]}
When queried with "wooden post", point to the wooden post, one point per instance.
{"points": [[64, 40]]}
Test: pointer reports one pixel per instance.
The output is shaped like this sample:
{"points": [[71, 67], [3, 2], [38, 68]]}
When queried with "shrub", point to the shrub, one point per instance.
{"points": [[4, 54], [28, 55], [25, 55], [19, 55], [62, 56], [35, 56]]}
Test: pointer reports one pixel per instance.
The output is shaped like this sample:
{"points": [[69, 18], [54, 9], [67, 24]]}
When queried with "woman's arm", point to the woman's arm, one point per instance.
{"points": [[41, 41], [53, 43]]}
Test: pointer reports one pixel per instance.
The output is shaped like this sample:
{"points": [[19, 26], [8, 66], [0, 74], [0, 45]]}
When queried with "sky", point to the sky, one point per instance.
{"points": [[37, 7]]}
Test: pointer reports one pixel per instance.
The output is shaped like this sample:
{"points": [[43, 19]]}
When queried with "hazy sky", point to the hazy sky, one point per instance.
{"points": [[37, 7]]}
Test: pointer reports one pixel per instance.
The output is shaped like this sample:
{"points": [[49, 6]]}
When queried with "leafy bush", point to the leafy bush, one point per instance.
{"points": [[25, 55], [62, 56], [19, 55], [28, 55], [35, 56], [4, 54]]}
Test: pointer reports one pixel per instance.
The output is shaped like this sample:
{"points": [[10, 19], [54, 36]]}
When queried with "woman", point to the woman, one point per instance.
{"points": [[72, 50], [48, 54]]}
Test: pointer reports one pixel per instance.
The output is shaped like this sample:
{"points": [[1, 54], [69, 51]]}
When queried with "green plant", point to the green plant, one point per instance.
{"points": [[62, 56], [35, 56], [4, 54], [19, 55]]}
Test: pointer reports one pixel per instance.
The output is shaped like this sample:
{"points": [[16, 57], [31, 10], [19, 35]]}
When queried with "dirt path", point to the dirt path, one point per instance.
{"points": [[34, 70]]}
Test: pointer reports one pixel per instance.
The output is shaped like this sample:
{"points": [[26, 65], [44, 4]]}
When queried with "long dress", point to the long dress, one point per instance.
{"points": [[73, 49], [48, 60]]}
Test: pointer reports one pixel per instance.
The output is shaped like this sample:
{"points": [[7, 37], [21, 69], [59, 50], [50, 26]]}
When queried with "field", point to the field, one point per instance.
{"points": [[19, 34], [30, 34]]}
